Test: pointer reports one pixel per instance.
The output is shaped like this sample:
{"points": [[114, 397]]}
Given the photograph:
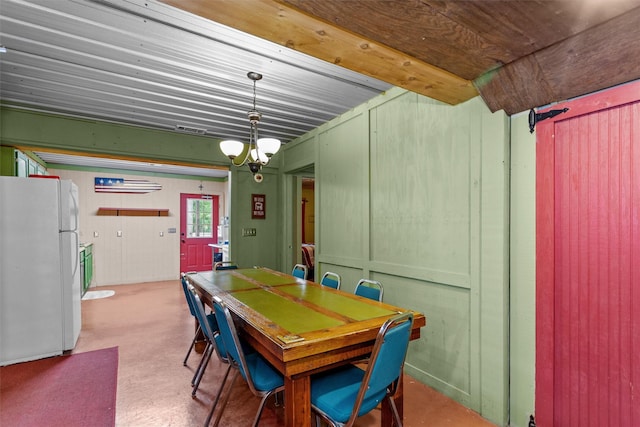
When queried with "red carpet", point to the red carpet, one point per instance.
{"points": [[75, 390]]}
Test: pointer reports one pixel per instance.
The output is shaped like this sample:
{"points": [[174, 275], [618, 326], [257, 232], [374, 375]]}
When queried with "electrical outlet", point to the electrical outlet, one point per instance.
{"points": [[96, 234], [119, 233]]}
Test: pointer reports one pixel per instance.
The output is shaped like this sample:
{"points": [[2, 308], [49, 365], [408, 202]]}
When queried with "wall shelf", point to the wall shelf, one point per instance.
{"points": [[132, 212]]}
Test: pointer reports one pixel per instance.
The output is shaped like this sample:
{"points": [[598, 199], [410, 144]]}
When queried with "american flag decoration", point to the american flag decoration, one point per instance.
{"points": [[121, 185]]}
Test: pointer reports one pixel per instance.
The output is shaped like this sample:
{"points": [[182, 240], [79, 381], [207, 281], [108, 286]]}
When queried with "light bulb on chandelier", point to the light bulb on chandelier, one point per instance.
{"points": [[258, 151]]}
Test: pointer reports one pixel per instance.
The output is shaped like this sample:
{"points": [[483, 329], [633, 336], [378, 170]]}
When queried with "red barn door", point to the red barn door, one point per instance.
{"points": [[588, 263]]}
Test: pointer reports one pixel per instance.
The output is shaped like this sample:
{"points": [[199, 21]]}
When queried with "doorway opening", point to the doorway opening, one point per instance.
{"points": [[307, 224]]}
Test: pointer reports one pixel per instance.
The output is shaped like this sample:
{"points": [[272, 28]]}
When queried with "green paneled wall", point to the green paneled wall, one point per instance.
{"points": [[26, 128], [340, 181], [259, 249], [414, 193], [420, 192], [409, 191]]}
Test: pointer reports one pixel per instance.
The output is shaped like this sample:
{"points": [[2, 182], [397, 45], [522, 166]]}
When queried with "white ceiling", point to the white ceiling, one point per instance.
{"points": [[146, 63]]}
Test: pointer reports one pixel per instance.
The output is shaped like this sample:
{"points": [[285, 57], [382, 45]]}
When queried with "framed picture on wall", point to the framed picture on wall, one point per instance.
{"points": [[258, 206]]}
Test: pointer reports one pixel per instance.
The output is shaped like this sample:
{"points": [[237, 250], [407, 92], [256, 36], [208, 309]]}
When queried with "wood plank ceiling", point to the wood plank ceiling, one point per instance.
{"points": [[518, 54]]}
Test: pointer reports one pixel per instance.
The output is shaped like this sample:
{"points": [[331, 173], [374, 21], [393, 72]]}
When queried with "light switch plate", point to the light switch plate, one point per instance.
{"points": [[248, 232]]}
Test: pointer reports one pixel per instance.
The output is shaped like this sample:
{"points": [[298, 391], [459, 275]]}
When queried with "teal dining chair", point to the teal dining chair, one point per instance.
{"points": [[342, 395], [371, 289], [331, 280], [215, 344], [225, 265], [299, 271], [183, 280], [262, 378]]}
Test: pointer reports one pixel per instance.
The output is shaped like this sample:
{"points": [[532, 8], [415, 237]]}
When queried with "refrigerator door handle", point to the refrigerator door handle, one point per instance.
{"points": [[77, 257], [75, 215], [76, 212], [74, 229]]}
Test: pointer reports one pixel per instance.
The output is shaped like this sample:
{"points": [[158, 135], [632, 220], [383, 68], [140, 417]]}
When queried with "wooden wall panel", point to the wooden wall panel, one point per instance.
{"points": [[403, 197], [420, 160], [444, 352], [341, 190], [255, 250]]}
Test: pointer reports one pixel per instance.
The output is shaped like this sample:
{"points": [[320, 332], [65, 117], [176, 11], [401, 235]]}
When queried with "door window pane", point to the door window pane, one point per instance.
{"points": [[199, 218]]}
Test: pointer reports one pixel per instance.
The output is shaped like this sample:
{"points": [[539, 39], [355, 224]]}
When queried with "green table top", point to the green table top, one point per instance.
{"points": [[287, 314], [243, 279], [294, 305], [346, 306]]}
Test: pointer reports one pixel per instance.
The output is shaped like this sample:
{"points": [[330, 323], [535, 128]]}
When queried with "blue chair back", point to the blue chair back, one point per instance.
{"points": [[347, 392], [371, 289], [207, 328], [225, 265], [230, 336], [262, 378], [330, 279], [299, 271], [388, 358], [187, 295], [208, 325]]}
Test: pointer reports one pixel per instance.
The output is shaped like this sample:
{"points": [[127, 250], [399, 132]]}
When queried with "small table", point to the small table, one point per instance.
{"points": [[223, 248], [301, 327]]}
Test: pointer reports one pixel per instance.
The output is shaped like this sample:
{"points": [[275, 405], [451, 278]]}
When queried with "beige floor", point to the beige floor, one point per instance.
{"points": [[151, 326]]}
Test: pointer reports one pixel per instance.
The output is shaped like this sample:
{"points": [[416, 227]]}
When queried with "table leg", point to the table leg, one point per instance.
{"points": [[297, 402], [201, 344], [386, 418]]}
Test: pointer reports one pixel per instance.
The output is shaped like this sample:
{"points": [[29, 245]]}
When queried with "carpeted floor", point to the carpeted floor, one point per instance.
{"points": [[151, 325], [67, 391]]}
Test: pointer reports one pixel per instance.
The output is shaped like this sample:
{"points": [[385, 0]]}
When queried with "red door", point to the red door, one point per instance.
{"points": [[198, 228], [588, 262]]}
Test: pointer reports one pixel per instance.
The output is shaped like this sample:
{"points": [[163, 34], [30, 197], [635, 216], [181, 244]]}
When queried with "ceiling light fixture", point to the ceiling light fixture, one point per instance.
{"points": [[258, 151]]}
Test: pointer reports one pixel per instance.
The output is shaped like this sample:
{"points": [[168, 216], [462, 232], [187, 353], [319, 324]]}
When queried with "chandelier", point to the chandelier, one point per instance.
{"points": [[258, 151]]}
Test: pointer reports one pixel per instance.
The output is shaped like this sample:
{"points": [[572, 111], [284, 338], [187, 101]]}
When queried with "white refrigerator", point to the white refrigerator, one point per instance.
{"points": [[40, 289]]}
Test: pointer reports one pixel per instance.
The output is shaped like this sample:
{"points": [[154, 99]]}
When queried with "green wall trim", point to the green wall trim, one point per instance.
{"points": [[522, 324]]}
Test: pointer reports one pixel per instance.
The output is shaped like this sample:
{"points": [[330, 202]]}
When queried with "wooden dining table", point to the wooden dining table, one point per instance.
{"points": [[300, 327]]}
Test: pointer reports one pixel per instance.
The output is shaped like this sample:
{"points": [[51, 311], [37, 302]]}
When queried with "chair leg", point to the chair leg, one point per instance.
{"points": [[224, 402], [201, 373], [218, 394], [260, 408], [394, 409], [197, 371], [279, 398], [193, 344]]}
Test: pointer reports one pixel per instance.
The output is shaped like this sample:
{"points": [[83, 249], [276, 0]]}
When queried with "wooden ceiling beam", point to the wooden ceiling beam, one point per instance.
{"points": [[287, 26], [595, 59]]}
